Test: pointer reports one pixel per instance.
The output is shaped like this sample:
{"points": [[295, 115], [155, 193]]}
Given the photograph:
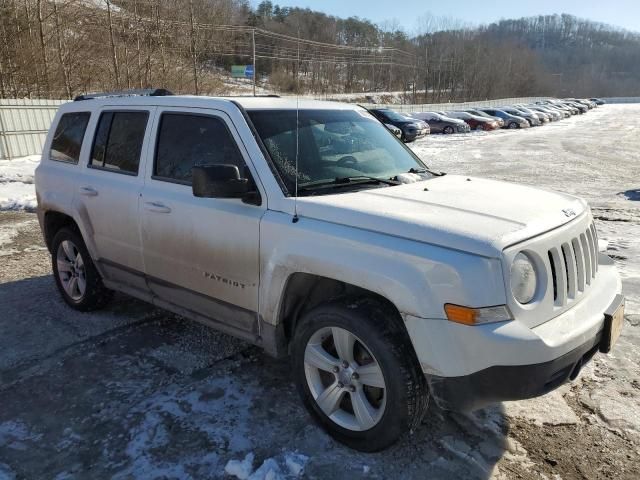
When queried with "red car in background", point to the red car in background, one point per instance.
{"points": [[474, 121]]}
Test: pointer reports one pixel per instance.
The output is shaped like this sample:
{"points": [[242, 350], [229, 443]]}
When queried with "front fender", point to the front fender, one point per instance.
{"points": [[417, 278]]}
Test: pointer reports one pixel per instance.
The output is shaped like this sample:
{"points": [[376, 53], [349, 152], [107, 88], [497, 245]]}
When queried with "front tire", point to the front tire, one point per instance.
{"points": [[357, 374], [513, 125], [448, 130], [75, 274]]}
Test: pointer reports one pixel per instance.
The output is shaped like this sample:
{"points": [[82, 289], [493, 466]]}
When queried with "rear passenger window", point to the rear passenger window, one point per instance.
{"points": [[118, 141], [67, 140], [187, 140]]}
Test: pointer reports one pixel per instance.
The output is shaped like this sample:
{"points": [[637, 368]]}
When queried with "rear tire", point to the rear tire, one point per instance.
{"points": [[377, 392], [75, 274]]}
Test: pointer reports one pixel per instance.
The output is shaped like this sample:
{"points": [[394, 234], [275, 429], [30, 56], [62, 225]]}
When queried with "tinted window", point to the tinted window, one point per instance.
{"points": [[67, 140], [118, 141], [188, 140]]}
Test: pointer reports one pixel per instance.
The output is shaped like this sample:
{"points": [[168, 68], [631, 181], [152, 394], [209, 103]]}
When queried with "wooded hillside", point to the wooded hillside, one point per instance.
{"points": [[58, 49]]}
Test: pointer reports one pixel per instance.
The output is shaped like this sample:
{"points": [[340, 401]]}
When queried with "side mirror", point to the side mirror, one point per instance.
{"points": [[218, 181]]}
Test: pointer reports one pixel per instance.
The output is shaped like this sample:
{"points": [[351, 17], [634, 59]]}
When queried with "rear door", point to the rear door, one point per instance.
{"points": [[109, 192], [201, 254]]}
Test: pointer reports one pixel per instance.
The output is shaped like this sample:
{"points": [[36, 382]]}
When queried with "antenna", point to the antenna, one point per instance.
{"points": [[295, 200]]}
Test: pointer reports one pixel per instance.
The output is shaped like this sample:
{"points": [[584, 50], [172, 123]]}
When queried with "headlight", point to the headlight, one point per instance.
{"points": [[523, 278]]}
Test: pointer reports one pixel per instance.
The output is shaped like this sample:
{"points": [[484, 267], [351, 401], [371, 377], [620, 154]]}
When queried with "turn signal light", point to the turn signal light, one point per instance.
{"points": [[476, 316]]}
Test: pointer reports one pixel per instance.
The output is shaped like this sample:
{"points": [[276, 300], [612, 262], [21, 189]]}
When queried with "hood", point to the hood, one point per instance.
{"points": [[463, 213]]}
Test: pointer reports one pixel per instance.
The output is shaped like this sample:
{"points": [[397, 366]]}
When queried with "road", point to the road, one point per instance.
{"points": [[134, 392]]}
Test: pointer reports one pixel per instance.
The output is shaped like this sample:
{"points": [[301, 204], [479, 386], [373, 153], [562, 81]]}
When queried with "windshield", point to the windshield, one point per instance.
{"points": [[332, 144]]}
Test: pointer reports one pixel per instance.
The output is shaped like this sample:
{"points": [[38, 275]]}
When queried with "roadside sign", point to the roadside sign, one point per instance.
{"points": [[242, 71]]}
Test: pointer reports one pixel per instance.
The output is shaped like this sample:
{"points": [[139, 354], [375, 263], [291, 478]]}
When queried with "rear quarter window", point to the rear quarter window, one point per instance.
{"points": [[67, 139]]}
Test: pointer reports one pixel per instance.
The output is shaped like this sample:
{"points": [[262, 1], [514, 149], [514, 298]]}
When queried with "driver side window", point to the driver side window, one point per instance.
{"points": [[187, 140]]}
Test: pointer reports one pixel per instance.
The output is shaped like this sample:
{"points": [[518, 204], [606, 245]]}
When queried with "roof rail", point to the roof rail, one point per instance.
{"points": [[143, 92]]}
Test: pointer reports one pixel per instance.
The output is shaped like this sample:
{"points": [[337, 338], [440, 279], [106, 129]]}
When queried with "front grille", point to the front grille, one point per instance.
{"points": [[573, 266]]}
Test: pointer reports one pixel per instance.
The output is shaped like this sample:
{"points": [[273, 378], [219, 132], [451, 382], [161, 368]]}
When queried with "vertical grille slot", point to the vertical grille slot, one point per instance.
{"points": [[587, 258], [596, 247], [579, 259], [559, 276], [592, 252], [570, 269], [553, 277]]}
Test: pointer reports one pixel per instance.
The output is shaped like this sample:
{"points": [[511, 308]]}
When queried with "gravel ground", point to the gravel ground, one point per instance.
{"points": [[134, 392]]}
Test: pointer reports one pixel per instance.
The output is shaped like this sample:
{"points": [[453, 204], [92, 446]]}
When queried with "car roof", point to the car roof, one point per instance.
{"points": [[201, 101]]}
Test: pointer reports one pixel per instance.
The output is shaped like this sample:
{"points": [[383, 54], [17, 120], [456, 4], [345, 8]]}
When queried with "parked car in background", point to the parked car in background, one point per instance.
{"points": [[475, 122], [598, 101], [532, 118], [582, 108], [510, 120], [411, 128], [566, 106], [539, 115], [563, 112], [554, 116], [480, 113], [395, 130], [584, 101], [439, 123]]}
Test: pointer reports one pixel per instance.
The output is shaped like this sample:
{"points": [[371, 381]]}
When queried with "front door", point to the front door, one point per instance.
{"points": [[201, 254]]}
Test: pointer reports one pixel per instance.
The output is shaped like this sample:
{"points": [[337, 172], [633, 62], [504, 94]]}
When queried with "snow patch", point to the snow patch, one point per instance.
{"points": [[17, 191], [240, 469], [285, 466], [550, 409], [295, 463]]}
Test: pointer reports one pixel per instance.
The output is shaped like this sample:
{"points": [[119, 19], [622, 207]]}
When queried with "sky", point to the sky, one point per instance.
{"points": [[621, 13]]}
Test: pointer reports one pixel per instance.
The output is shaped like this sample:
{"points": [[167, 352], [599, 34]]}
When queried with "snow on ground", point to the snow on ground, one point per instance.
{"points": [[134, 392], [17, 191]]}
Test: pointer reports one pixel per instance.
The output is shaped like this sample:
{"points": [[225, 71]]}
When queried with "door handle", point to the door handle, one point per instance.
{"points": [[88, 191], [156, 207]]}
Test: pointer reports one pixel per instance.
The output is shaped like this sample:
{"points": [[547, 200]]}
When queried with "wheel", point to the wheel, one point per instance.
{"points": [[357, 374], [75, 274], [448, 129], [513, 125]]}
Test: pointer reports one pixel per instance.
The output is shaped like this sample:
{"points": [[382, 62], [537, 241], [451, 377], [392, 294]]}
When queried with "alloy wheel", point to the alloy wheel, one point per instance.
{"points": [[71, 270], [345, 379]]}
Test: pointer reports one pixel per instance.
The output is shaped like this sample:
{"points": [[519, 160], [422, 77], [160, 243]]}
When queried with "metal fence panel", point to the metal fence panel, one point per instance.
{"points": [[24, 124]]}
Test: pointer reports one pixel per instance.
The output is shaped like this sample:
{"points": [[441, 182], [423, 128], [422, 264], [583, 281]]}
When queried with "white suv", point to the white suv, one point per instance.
{"points": [[308, 229]]}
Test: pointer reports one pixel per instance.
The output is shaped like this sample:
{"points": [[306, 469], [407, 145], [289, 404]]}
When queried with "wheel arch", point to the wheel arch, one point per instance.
{"points": [[305, 291], [53, 221]]}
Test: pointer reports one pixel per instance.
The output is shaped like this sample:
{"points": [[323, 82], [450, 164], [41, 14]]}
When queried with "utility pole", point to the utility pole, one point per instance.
{"points": [[255, 73]]}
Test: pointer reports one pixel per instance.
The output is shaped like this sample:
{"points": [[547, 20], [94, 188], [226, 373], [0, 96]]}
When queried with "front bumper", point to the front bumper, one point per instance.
{"points": [[471, 366], [410, 135], [503, 383]]}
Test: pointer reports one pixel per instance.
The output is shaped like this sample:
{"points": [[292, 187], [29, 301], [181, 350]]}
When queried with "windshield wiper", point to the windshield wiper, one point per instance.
{"points": [[345, 182], [426, 170]]}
